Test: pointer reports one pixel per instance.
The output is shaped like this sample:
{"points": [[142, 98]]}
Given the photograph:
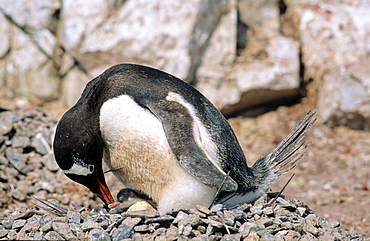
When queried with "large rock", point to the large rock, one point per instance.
{"points": [[29, 67], [270, 78], [155, 33], [266, 71], [217, 60], [344, 97], [28, 70], [331, 33]]}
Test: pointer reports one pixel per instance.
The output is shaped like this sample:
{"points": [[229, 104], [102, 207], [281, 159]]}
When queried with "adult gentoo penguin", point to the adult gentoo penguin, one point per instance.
{"points": [[165, 141]]}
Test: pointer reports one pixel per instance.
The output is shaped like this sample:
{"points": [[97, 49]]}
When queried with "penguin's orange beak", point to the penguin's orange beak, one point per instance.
{"points": [[105, 195]]}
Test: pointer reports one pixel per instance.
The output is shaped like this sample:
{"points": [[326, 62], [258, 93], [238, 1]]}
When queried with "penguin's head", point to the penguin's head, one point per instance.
{"points": [[78, 150]]}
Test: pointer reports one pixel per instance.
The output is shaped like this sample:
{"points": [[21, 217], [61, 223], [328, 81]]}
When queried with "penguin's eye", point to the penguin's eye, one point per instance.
{"points": [[91, 168]]}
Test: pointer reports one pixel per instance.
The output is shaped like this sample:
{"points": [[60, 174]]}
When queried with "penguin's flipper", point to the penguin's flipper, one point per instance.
{"points": [[182, 133]]}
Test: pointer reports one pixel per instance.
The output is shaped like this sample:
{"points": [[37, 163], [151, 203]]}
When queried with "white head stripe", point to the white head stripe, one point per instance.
{"points": [[78, 170]]}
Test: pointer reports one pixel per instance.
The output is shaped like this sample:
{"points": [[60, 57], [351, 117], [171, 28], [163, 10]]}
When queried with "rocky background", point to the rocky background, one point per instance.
{"points": [[248, 57]]}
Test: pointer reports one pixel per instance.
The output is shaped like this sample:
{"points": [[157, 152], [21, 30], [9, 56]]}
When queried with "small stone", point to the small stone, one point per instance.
{"points": [[257, 209], [20, 141], [238, 214], [73, 217], [252, 236], [3, 233], [12, 235], [214, 223], [286, 225], [191, 220], [246, 227], [31, 225], [149, 213], [40, 143], [7, 223], [19, 223], [231, 237], [38, 235], [171, 233], [64, 230], [203, 209], [217, 207], [268, 211], [76, 207], [312, 220], [147, 227], [47, 226], [245, 207], [123, 232], [353, 233], [50, 162], [227, 217], [77, 231], [165, 220], [195, 211], [334, 224], [187, 230], [265, 221], [292, 235], [89, 224], [94, 234], [132, 222], [52, 235], [268, 237], [296, 202], [285, 204], [210, 230], [310, 229], [301, 211], [308, 237], [102, 221], [15, 158], [180, 216], [18, 195]]}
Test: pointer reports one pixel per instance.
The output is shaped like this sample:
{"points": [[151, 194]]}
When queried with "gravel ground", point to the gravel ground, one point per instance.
{"points": [[38, 202]]}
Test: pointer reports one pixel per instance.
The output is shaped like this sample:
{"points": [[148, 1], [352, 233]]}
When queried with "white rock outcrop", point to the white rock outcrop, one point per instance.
{"points": [[239, 53]]}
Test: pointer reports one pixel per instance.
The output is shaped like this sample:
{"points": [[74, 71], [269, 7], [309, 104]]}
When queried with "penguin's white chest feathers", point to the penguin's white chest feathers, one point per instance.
{"points": [[135, 140]]}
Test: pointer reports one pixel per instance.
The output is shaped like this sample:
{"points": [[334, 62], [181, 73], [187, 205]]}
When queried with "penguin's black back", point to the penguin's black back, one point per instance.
{"points": [[145, 85]]}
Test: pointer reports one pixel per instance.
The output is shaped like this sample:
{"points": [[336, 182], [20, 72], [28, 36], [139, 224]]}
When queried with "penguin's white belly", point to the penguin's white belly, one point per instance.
{"points": [[135, 140]]}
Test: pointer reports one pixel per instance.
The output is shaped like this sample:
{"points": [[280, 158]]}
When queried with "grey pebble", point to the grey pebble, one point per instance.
{"points": [[150, 213], [147, 227], [77, 231], [98, 234], [64, 230], [73, 217], [40, 143], [7, 223], [12, 235], [20, 141], [217, 207], [132, 222], [123, 232], [19, 223], [15, 158], [203, 209], [89, 224], [3, 233], [52, 235], [163, 220]]}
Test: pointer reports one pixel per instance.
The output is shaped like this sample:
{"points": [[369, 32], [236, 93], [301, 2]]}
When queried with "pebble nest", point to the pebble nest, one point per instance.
{"points": [[36, 205]]}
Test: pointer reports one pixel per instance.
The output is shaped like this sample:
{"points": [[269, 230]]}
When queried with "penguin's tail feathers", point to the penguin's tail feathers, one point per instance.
{"points": [[285, 156]]}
